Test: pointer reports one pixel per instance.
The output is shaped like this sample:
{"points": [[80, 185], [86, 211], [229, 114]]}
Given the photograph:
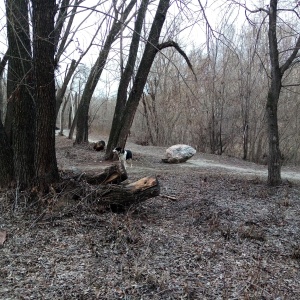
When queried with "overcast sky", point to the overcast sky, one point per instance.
{"points": [[192, 30]]}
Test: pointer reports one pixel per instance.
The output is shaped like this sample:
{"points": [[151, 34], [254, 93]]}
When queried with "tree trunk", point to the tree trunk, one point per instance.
{"points": [[2, 68], [121, 130], [117, 197], [46, 170], [62, 114], [96, 71], [122, 197], [274, 166], [113, 174], [19, 123], [126, 77], [6, 159], [61, 91], [274, 157], [277, 72]]}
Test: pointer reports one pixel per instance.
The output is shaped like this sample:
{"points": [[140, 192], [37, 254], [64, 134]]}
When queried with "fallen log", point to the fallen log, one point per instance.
{"points": [[113, 174], [105, 189], [120, 197]]}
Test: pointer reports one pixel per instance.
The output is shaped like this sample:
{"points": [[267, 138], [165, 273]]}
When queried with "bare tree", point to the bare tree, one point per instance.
{"points": [[277, 72], [96, 71], [120, 131], [126, 76], [281, 59], [61, 45]]}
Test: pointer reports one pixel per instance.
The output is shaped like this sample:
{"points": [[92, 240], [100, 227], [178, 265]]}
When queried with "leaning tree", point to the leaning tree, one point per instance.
{"points": [[125, 112]]}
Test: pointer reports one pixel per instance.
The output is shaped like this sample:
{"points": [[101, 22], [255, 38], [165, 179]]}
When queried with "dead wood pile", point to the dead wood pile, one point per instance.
{"points": [[108, 188]]}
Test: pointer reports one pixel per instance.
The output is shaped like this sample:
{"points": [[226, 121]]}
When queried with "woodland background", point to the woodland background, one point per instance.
{"points": [[210, 74]]}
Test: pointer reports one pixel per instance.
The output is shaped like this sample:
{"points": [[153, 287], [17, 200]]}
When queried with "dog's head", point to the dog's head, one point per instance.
{"points": [[118, 150]]}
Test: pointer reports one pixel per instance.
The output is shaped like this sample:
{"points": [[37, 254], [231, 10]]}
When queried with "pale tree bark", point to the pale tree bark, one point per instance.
{"points": [[62, 90], [94, 76], [3, 63], [62, 113]]}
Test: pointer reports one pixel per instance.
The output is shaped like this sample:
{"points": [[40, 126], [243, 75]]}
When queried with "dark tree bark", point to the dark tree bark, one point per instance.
{"points": [[6, 159], [126, 77], [114, 174], [20, 116], [274, 159], [46, 170], [96, 71], [121, 130]]}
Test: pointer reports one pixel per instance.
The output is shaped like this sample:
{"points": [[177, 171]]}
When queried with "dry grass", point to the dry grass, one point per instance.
{"points": [[215, 237]]}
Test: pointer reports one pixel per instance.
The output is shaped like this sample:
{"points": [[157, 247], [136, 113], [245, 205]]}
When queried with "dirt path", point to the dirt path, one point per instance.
{"points": [[148, 158]]}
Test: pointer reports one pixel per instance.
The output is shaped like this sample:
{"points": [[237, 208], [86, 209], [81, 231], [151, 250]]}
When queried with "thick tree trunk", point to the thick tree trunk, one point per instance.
{"points": [[274, 157], [6, 159], [118, 197], [122, 197], [19, 123], [46, 170], [106, 189]]}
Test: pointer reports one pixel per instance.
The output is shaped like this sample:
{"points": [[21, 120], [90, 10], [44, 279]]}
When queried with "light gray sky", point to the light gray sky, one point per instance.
{"points": [[189, 25]]}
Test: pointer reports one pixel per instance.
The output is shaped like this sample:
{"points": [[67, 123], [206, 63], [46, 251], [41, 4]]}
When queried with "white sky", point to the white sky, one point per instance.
{"points": [[191, 34]]}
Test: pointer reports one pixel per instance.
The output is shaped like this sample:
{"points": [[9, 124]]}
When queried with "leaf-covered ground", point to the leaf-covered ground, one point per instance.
{"points": [[211, 234]]}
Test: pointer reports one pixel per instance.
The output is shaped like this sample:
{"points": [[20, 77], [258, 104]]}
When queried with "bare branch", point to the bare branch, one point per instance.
{"points": [[290, 60], [3, 63], [177, 47]]}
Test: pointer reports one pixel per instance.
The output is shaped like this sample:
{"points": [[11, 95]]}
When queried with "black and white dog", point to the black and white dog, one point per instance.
{"points": [[125, 156]]}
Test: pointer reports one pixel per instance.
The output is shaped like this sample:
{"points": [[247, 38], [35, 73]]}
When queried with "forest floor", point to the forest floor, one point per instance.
{"points": [[216, 231]]}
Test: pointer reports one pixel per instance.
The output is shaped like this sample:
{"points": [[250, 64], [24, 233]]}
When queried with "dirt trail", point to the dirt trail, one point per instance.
{"points": [[147, 158]]}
